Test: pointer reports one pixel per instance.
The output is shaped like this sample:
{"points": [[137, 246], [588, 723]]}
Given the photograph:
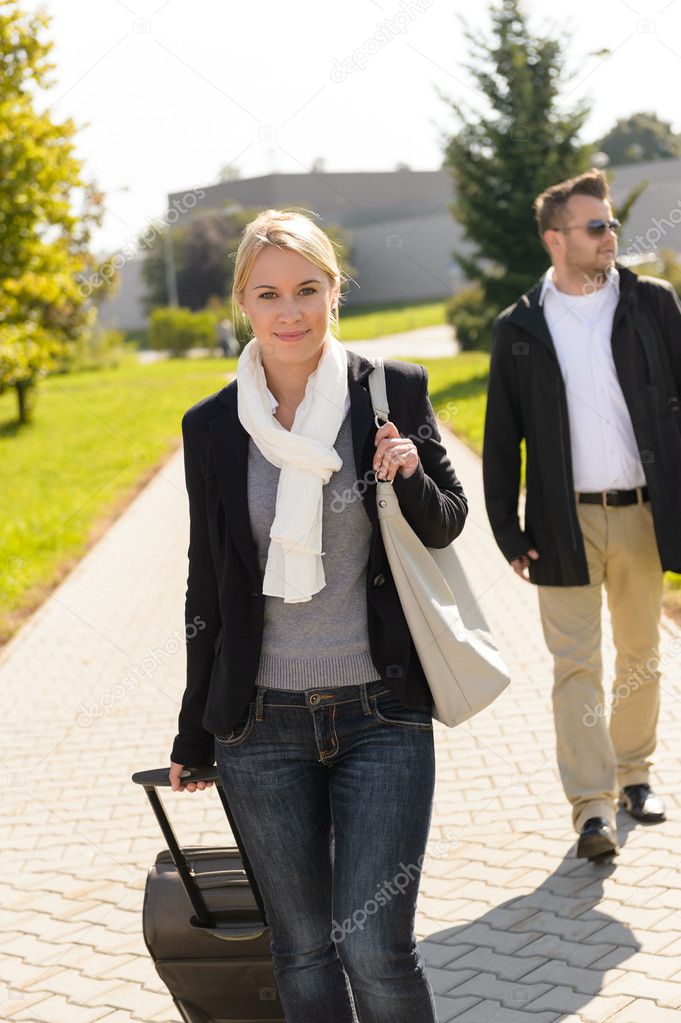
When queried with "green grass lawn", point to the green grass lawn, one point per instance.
{"points": [[96, 437], [366, 324], [458, 388]]}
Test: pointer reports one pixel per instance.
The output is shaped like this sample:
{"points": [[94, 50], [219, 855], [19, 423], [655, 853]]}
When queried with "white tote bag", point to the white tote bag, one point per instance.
{"points": [[460, 659]]}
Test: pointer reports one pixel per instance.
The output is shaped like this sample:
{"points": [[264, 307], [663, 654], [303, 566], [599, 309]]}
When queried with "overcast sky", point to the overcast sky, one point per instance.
{"points": [[173, 92]]}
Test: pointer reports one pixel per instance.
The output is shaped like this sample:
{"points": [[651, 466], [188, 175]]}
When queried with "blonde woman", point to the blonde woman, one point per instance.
{"points": [[302, 681]]}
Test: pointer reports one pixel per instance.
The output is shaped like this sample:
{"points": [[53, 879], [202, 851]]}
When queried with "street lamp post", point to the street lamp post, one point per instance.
{"points": [[171, 273]]}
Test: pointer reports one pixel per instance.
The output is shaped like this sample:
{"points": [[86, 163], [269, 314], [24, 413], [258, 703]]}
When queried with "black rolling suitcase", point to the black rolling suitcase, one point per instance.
{"points": [[204, 923]]}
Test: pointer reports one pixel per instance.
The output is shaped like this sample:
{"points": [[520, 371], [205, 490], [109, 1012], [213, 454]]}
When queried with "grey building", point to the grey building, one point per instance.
{"points": [[655, 221], [402, 232], [125, 310]]}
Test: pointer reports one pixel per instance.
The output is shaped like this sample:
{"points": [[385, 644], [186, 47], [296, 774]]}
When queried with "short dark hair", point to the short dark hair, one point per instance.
{"points": [[550, 206]]}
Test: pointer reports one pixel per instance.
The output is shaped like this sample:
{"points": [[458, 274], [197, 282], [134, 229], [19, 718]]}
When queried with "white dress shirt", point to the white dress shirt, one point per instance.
{"points": [[605, 454]]}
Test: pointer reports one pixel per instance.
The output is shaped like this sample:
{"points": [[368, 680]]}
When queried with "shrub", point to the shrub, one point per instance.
{"points": [[471, 318], [176, 330]]}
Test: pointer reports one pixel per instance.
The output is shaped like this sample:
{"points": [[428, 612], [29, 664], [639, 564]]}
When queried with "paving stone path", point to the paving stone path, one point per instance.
{"points": [[512, 926]]}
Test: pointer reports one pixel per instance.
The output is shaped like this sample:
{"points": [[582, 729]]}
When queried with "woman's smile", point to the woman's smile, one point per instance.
{"points": [[290, 337]]}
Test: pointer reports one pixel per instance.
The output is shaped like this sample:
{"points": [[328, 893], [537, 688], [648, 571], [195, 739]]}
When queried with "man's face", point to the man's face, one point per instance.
{"points": [[581, 252]]}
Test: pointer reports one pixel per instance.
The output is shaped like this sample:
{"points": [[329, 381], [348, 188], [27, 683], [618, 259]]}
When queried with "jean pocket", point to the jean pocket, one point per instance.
{"points": [[241, 730], [387, 708]]}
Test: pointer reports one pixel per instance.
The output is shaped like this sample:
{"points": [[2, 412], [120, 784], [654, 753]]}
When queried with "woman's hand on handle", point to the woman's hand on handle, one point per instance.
{"points": [[176, 783], [394, 454]]}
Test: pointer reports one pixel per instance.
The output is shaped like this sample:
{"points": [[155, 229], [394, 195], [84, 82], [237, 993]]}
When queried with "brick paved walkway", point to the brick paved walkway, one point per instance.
{"points": [[512, 926]]}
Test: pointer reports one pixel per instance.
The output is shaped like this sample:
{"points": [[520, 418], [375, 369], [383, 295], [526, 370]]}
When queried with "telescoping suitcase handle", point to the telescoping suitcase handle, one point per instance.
{"points": [[159, 778]]}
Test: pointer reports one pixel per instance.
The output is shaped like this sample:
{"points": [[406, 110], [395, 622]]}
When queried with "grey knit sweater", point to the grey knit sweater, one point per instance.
{"points": [[325, 640]]}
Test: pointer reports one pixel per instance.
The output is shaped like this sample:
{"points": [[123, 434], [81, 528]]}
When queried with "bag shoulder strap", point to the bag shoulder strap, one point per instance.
{"points": [[377, 389]]}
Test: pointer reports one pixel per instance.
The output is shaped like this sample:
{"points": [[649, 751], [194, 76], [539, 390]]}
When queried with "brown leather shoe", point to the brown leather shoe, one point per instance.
{"points": [[597, 840], [642, 803]]}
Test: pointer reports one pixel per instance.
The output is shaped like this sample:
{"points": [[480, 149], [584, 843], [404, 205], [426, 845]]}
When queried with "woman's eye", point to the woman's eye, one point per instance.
{"points": [[264, 294]]}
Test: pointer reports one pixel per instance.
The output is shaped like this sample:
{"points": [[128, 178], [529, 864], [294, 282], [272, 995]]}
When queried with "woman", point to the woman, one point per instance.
{"points": [[302, 680]]}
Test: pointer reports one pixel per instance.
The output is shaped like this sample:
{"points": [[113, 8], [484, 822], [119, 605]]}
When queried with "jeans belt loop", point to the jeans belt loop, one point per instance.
{"points": [[259, 702]]}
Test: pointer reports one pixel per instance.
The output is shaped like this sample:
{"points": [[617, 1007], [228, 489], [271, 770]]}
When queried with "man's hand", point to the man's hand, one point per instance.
{"points": [[521, 565]]}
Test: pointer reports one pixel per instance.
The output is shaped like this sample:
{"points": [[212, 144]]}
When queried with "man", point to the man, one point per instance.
{"points": [[586, 368]]}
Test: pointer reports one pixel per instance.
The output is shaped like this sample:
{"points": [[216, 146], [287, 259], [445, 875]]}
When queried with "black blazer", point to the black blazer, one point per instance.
{"points": [[224, 601], [526, 399]]}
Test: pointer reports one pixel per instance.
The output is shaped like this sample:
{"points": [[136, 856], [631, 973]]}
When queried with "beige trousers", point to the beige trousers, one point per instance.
{"points": [[599, 752]]}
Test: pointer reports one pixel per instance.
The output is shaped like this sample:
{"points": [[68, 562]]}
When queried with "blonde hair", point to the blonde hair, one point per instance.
{"points": [[286, 229]]}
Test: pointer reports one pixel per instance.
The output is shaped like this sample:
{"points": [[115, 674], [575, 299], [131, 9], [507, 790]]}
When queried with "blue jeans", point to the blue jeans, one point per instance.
{"points": [[332, 792]]}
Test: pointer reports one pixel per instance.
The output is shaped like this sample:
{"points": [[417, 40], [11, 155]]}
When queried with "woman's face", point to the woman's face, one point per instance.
{"points": [[289, 301]]}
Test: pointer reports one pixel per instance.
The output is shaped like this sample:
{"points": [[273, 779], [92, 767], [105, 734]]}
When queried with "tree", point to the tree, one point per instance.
{"points": [[44, 253], [203, 257], [642, 136], [503, 157]]}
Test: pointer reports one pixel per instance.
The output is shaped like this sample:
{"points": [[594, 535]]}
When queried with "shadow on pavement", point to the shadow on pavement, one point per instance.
{"points": [[534, 954]]}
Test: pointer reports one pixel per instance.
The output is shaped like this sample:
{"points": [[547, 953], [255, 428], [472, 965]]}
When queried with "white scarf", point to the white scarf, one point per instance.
{"points": [[306, 458]]}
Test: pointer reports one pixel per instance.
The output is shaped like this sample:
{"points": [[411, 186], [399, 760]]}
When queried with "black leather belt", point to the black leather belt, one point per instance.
{"points": [[614, 497]]}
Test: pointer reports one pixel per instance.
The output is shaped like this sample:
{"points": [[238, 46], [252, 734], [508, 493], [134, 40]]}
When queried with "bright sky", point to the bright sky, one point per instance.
{"points": [[173, 92]]}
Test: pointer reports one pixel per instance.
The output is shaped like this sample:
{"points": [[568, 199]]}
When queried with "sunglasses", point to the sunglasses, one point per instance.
{"points": [[594, 228]]}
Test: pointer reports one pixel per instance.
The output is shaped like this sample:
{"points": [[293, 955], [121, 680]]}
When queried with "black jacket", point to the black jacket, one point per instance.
{"points": [[224, 600], [526, 399]]}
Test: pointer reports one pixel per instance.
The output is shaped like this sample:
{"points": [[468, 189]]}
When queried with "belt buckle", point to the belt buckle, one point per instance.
{"points": [[605, 497]]}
